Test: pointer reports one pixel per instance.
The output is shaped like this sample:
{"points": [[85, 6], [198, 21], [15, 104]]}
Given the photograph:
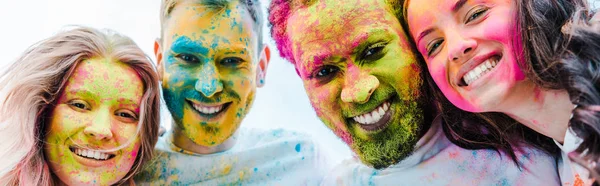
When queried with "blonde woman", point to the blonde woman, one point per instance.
{"points": [[81, 107]]}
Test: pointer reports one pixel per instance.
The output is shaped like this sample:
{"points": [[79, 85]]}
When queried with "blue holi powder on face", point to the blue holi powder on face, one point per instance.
{"points": [[184, 44], [255, 169], [228, 12], [224, 40], [174, 102], [208, 84], [215, 42], [205, 31], [298, 147]]}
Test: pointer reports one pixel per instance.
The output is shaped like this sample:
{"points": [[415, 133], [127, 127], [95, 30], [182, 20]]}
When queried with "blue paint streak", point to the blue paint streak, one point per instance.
{"points": [[184, 44], [298, 147]]}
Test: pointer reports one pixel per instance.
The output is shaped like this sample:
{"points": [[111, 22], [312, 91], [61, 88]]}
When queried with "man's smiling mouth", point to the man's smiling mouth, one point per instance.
{"points": [[209, 111], [376, 119]]}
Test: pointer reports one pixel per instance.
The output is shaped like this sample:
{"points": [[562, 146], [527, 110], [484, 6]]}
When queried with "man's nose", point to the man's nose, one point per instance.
{"points": [[209, 80], [358, 85]]}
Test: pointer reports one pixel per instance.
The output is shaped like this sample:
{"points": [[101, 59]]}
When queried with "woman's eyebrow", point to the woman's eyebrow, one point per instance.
{"points": [[459, 4]]}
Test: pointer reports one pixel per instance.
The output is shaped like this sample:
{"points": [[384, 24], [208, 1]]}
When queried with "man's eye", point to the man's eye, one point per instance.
{"points": [[432, 48], [188, 58], [476, 15], [231, 61], [326, 73], [372, 52]]}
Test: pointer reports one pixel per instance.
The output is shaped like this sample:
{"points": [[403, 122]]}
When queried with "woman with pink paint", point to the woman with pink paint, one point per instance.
{"points": [[78, 108], [535, 62]]}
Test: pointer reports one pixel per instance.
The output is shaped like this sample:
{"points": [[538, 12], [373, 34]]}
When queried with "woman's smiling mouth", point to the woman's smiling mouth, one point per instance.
{"points": [[91, 154], [479, 71]]}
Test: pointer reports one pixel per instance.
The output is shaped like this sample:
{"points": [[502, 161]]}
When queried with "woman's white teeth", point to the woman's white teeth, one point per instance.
{"points": [[374, 116], [208, 110], [480, 70], [91, 154]]}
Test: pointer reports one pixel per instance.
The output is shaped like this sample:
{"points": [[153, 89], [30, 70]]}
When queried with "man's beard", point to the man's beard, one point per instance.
{"points": [[397, 141]]}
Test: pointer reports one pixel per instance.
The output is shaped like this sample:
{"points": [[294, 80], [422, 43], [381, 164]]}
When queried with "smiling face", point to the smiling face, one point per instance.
{"points": [[472, 49], [361, 76], [209, 69], [98, 110]]}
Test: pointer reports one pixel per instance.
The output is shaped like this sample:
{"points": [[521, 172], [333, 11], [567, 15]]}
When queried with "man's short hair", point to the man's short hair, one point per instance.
{"points": [[253, 7], [280, 11]]}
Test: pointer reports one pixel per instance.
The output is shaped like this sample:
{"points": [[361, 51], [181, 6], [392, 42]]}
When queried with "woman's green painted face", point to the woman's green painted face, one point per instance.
{"points": [[98, 110]]}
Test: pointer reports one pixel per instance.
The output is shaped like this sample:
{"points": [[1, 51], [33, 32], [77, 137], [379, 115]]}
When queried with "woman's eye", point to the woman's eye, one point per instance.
{"points": [[372, 51], [434, 46], [127, 115], [325, 73], [188, 58], [231, 61], [79, 105], [476, 15]]}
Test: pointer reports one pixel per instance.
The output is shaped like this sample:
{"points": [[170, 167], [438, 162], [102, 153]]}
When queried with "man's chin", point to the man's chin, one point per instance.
{"points": [[380, 158], [208, 136], [387, 147]]}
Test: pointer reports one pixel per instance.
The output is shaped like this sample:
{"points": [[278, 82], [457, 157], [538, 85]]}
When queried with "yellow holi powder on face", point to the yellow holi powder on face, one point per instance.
{"points": [[93, 113], [197, 31]]}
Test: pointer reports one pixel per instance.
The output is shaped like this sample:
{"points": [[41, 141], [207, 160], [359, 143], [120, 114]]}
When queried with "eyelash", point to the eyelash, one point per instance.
{"points": [[476, 15], [188, 58], [238, 61], [78, 104], [434, 45], [127, 115], [374, 54], [325, 73]]}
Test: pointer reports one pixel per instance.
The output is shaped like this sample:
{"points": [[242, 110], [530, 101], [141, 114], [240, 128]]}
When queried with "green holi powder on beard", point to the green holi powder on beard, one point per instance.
{"points": [[394, 143]]}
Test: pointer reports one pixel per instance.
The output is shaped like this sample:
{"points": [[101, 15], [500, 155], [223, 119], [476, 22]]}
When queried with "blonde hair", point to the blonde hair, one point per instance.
{"points": [[32, 84]]}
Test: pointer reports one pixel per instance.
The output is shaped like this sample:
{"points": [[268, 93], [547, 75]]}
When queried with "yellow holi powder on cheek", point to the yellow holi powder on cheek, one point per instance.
{"points": [[89, 117], [222, 44]]}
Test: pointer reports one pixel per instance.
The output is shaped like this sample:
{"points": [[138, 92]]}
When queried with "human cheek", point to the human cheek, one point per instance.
{"points": [[439, 73]]}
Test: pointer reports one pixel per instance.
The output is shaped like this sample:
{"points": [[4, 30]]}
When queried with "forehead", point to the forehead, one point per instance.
{"points": [[336, 28], [107, 79], [231, 24]]}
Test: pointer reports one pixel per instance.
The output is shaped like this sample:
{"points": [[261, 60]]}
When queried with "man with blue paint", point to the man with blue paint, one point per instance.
{"points": [[210, 60]]}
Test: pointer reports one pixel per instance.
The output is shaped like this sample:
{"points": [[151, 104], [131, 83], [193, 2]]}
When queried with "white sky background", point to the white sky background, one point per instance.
{"points": [[282, 103]]}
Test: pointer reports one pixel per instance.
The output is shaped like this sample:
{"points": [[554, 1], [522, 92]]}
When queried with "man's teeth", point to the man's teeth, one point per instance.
{"points": [[208, 110], [91, 154], [373, 116], [480, 70]]}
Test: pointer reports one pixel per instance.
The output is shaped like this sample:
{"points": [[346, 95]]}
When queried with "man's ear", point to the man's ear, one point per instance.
{"points": [[263, 63], [159, 63]]}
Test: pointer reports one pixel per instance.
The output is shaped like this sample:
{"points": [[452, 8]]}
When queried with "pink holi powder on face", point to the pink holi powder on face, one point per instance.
{"points": [[344, 136]]}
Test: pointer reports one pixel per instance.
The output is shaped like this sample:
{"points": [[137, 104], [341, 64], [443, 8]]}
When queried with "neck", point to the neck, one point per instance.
{"points": [[184, 142], [545, 111]]}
